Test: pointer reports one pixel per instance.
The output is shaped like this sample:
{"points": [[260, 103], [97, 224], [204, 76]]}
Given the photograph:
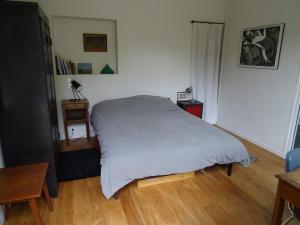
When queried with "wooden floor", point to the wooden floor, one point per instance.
{"points": [[209, 198]]}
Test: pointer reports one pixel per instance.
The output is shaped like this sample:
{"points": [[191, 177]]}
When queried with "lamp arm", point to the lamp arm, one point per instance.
{"points": [[79, 92], [75, 94]]}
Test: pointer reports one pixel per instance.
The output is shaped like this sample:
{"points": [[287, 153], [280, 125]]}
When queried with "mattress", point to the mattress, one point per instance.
{"points": [[144, 136]]}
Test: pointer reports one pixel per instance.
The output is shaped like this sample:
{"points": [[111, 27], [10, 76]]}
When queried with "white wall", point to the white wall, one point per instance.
{"points": [[1, 166], [154, 42], [68, 41], [256, 103]]}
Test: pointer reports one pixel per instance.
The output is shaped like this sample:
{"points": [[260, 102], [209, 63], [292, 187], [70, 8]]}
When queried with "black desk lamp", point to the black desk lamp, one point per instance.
{"points": [[76, 89], [189, 91]]}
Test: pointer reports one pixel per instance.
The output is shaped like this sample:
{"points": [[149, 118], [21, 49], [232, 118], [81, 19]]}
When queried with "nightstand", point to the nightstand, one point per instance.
{"points": [[195, 108], [76, 112]]}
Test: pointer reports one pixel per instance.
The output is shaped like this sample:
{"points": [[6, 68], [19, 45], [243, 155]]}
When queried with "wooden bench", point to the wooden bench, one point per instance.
{"points": [[24, 183], [288, 190]]}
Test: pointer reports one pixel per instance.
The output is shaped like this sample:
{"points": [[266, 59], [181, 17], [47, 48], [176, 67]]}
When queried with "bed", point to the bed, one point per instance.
{"points": [[145, 136]]}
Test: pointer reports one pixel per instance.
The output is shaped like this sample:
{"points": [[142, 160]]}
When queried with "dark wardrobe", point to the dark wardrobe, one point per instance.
{"points": [[28, 117]]}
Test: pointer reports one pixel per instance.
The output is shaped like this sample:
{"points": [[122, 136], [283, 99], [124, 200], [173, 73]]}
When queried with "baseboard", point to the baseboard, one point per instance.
{"points": [[252, 140]]}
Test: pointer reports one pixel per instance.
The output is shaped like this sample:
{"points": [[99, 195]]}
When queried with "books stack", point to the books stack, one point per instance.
{"points": [[64, 67]]}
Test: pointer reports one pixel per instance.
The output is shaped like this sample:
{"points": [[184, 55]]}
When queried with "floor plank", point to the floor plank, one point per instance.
{"points": [[210, 197], [164, 179]]}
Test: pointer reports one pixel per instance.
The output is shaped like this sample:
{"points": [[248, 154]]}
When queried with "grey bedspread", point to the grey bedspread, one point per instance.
{"points": [[144, 136]]}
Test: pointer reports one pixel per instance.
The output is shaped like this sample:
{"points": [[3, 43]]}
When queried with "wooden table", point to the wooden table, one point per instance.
{"points": [[24, 183], [288, 190]]}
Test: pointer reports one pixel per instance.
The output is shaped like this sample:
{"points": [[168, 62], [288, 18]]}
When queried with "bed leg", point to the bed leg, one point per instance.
{"points": [[229, 170], [116, 195], [98, 147]]}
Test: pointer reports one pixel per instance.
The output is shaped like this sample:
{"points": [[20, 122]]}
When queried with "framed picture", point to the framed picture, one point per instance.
{"points": [[260, 46], [84, 68], [182, 96], [95, 42]]}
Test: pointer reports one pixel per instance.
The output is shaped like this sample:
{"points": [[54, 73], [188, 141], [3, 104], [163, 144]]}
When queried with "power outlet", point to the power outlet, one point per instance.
{"points": [[69, 83], [72, 134]]}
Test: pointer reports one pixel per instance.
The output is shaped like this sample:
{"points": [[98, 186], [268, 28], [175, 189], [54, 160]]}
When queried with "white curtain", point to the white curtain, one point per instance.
{"points": [[206, 51]]}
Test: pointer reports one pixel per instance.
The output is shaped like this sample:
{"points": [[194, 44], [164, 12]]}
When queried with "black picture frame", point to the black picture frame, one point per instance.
{"points": [[95, 42], [182, 96], [260, 47]]}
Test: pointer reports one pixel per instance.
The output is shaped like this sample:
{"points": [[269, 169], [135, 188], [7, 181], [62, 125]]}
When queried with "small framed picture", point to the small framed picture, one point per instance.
{"points": [[182, 96], [84, 68], [95, 42]]}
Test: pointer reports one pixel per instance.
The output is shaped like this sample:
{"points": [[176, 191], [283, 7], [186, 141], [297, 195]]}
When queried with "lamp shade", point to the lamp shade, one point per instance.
{"points": [[77, 86], [189, 90]]}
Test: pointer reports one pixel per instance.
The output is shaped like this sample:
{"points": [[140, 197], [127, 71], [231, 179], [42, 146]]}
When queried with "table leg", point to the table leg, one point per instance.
{"points": [[46, 193], [35, 211], [278, 206], [6, 216], [66, 132], [88, 129], [87, 122]]}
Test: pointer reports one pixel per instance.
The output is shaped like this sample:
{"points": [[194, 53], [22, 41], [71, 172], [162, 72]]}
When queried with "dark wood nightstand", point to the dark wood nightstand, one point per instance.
{"points": [[76, 111], [195, 108]]}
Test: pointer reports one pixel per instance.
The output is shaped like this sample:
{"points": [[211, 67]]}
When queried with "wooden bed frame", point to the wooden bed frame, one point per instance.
{"points": [[166, 178]]}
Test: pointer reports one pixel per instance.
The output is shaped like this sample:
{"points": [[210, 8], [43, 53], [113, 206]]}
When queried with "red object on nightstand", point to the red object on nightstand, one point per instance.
{"points": [[195, 108]]}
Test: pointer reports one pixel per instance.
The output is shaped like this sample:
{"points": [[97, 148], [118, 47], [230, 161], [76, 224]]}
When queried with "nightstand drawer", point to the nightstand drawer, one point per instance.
{"points": [[75, 114], [75, 106], [195, 108]]}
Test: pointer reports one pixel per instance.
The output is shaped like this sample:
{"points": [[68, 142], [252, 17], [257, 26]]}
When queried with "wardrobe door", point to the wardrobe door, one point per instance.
{"points": [[47, 54], [51, 101], [23, 112], [27, 97]]}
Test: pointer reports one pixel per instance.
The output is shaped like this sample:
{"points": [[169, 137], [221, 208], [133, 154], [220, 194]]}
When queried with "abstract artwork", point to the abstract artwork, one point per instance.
{"points": [[260, 46]]}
